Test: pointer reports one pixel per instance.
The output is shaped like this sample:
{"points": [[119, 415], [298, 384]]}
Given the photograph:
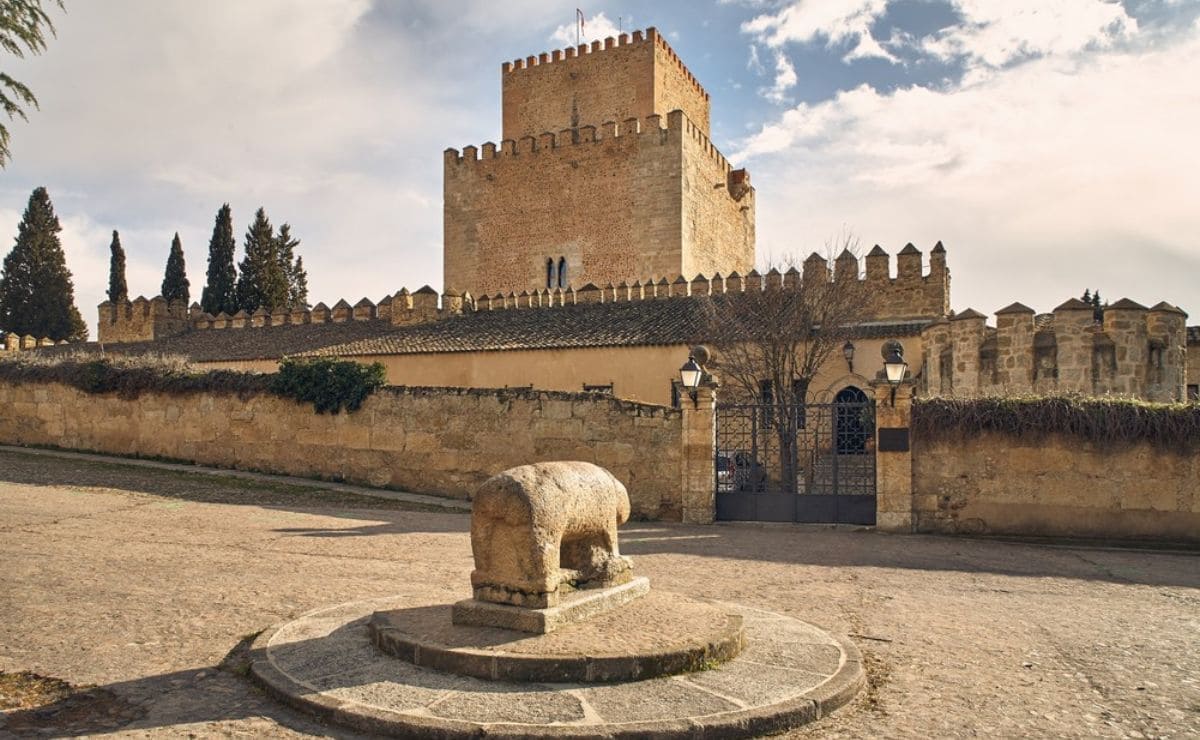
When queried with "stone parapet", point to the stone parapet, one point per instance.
{"points": [[1136, 351]]}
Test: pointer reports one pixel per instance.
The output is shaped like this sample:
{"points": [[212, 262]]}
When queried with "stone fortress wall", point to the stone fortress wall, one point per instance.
{"points": [[1136, 351], [911, 294], [1001, 484], [443, 441], [636, 76], [606, 164]]}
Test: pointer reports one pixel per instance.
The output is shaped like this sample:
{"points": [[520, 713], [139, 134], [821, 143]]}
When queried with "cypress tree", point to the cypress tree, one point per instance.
{"points": [[118, 291], [37, 296], [293, 268], [262, 282], [175, 283], [299, 294], [220, 289]]}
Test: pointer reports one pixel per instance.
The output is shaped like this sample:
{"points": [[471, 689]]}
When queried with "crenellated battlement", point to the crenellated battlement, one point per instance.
{"points": [[1135, 351], [14, 343], [142, 319], [132, 321], [559, 56], [653, 129]]}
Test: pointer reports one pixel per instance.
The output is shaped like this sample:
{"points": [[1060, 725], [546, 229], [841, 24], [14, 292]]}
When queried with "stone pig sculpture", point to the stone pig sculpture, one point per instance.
{"points": [[540, 529]]}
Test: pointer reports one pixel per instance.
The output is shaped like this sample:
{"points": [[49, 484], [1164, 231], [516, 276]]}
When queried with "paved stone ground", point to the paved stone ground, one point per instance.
{"points": [[142, 582]]}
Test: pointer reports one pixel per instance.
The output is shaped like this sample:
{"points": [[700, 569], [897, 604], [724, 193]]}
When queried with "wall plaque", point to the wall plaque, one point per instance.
{"points": [[893, 439]]}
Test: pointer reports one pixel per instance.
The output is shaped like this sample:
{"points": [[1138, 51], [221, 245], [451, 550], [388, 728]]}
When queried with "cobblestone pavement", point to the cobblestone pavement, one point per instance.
{"points": [[143, 583]]}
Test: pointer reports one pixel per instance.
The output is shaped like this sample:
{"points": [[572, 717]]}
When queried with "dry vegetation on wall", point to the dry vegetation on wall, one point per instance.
{"points": [[329, 385], [129, 377], [1105, 421]]}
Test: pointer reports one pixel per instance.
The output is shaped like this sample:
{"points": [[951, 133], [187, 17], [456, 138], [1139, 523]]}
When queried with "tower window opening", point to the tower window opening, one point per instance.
{"points": [[562, 272], [549, 272]]}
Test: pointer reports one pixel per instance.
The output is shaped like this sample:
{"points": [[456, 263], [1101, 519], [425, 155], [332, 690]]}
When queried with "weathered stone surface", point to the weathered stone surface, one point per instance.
{"points": [[740, 698], [443, 441], [659, 635], [542, 528], [575, 606]]}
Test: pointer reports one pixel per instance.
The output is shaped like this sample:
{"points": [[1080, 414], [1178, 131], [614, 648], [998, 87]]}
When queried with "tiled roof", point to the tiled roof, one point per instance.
{"points": [[669, 321], [663, 322]]}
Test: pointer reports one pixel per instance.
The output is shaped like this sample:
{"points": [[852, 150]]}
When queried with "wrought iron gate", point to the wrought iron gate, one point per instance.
{"points": [[817, 464]]}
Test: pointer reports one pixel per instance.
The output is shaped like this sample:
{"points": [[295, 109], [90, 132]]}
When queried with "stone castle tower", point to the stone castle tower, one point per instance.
{"points": [[606, 173]]}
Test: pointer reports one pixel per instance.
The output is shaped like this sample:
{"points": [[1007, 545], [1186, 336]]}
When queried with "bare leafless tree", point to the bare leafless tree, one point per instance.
{"points": [[770, 340]]}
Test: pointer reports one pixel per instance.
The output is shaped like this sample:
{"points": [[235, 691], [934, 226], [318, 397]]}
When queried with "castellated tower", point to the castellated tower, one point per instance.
{"points": [[605, 173]]}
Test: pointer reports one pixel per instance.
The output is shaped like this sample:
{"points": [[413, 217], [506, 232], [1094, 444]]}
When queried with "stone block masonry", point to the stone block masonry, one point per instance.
{"points": [[999, 484], [1136, 351], [443, 441], [615, 80], [614, 201]]}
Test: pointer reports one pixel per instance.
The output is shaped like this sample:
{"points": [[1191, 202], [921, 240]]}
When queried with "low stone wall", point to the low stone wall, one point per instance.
{"points": [[999, 484], [429, 440]]}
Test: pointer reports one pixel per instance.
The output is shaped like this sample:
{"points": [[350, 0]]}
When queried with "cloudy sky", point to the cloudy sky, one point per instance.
{"points": [[1051, 144]]}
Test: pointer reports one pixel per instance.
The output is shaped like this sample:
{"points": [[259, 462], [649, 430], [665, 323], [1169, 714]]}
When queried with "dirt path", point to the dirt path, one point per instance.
{"points": [[141, 583]]}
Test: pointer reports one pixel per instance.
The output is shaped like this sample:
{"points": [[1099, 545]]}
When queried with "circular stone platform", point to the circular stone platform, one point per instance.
{"points": [[658, 634], [324, 663]]}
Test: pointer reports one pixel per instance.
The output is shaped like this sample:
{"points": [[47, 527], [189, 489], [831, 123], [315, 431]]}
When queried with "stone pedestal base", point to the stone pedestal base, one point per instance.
{"points": [[658, 634], [575, 607]]}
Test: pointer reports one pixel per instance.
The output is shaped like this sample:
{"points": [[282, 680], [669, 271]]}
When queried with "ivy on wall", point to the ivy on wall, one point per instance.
{"points": [[1104, 421], [329, 384]]}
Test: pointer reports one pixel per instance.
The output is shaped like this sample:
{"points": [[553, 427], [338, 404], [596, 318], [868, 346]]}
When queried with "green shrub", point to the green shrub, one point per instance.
{"points": [[329, 384], [1104, 421]]}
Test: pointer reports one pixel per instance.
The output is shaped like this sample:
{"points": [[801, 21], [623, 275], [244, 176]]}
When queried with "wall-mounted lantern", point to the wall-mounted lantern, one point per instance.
{"points": [[894, 366], [689, 376], [848, 353]]}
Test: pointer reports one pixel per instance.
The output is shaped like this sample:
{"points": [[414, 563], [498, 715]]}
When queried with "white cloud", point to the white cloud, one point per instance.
{"points": [[331, 118], [785, 79], [595, 28], [993, 33], [1058, 173], [807, 21]]}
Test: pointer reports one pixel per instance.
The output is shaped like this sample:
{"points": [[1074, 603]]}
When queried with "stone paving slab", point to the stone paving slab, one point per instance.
{"points": [[328, 666]]}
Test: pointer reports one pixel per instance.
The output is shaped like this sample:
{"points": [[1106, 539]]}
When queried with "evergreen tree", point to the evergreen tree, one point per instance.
{"points": [[220, 289], [118, 291], [293, 268], [299, 294], [23, 27], [37, 297], [1087, 296], [175, 283], [1097, 307], [262, 282]]}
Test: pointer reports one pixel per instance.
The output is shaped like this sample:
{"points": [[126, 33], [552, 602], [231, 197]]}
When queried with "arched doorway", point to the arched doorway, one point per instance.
{"points": [[852, 421]]}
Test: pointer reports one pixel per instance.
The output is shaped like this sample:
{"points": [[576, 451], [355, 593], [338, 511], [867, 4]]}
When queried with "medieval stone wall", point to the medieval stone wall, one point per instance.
{"points": [[717, 210], [675, 88], [607, 199], [141, 320], [614, 80], [439, 441], [1059, 487], [1135, 351]]}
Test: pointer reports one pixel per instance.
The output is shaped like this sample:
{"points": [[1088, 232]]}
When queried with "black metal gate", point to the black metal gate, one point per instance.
{"points": [[815, 465]]}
